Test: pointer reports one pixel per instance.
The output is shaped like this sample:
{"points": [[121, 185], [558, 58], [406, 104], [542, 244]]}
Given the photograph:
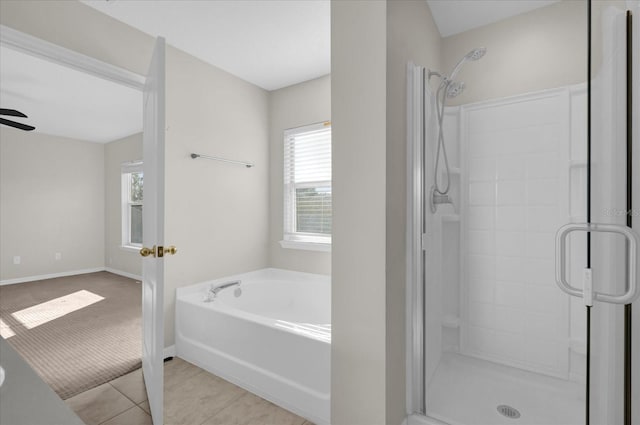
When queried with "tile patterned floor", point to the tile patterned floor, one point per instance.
{"points": [[192, 396]]}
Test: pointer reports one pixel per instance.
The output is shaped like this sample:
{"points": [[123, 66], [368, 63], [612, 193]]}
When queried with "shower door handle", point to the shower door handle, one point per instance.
{"points": [[587, 292]]}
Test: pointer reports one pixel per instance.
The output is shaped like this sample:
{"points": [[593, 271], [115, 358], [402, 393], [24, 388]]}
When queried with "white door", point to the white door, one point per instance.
{"points": [[153, 231]]}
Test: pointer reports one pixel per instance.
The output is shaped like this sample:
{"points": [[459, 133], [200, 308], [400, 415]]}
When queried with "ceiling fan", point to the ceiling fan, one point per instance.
{"points": [[14, 113]]}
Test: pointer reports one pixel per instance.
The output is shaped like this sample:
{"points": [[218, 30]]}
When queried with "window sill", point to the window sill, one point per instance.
{"points": [[130, 248], [307, 246]]}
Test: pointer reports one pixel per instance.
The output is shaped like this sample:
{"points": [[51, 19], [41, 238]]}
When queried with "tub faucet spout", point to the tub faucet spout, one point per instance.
{"points": [[213, 291]]}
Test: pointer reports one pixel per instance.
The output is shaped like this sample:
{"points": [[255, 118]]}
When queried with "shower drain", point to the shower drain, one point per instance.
{"points": [[508, 411]]}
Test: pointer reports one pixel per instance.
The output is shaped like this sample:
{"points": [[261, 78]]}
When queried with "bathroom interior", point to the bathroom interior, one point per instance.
{"points": [[464, 136]]}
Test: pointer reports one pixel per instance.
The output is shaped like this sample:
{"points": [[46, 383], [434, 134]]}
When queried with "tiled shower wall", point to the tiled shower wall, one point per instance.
{"points": [[517, 160]]}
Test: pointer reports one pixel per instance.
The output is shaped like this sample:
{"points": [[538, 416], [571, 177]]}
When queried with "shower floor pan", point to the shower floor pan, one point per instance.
{"points": [[468, 391]]}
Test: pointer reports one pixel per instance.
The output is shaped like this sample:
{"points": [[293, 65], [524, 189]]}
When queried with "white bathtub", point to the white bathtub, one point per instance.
{"points": [[273, 340]]}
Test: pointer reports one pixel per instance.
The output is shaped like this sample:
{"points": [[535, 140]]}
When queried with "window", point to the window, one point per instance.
{"points": [[307, 187], [132, 194]]}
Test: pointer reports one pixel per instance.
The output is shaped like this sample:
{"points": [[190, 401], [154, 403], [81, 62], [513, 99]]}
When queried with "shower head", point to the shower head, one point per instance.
{"points": [[473, 55], [455, 88], [476, 53]]}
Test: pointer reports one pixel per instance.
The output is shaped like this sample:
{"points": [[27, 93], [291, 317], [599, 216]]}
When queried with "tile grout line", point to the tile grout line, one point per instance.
{"points": [[132, 407], [232, 401], [129, 408], [125, 396], [108, 419]]}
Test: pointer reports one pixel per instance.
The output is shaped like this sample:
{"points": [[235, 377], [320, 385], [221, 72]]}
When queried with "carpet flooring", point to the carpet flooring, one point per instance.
{"points": [[76, 332]]}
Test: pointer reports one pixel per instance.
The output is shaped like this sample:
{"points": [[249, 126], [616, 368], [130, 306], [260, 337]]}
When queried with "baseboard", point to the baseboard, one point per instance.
{"points": [[69, 273], [417, 419], [121, 273], [50, 276], [169, 351]]}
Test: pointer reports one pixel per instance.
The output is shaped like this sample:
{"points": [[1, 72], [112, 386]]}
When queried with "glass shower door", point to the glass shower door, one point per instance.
{"points": [[613, 326]]}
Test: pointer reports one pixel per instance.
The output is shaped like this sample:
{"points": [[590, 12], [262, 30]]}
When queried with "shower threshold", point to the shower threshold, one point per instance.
{"points": [[469, 391]]}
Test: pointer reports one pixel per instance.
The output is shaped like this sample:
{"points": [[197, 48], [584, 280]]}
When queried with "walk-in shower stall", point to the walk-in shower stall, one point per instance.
{"points": [[523, 225]]}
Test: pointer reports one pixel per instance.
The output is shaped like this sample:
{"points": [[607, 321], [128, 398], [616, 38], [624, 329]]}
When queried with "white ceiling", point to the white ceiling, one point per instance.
{"points": [[456, 16], [272, 44], [64, 102]]}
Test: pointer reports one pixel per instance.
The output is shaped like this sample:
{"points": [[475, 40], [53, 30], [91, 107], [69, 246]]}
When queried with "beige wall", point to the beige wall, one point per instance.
{"points": [[294, 106], [115, 154], [51, 201], [541, 49], [411, 36], [371, 45], [39, 175], [216, 213], [358, 97]]}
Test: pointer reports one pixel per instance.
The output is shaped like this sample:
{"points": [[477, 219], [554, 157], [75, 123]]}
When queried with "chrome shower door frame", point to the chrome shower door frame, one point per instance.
{"points": [[415, 267]]}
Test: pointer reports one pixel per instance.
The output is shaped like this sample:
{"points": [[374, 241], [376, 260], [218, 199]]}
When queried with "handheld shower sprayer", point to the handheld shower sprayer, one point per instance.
{"points": [[448, 88], [474, 55], [455, 88]]}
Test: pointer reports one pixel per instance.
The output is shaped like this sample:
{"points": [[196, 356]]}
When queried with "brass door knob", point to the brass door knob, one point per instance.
{"points": [[145, 252]]}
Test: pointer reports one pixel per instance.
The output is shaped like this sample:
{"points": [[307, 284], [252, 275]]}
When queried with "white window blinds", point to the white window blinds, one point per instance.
{"points": [[307, 183]]}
